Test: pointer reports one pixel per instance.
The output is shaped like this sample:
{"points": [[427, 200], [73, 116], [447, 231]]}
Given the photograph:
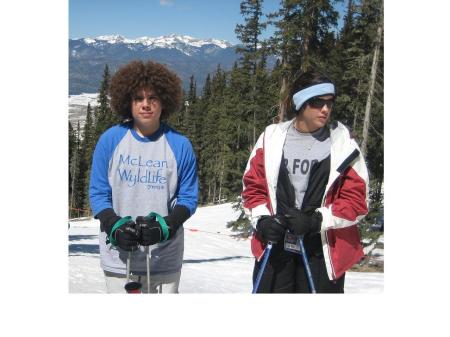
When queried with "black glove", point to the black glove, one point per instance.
{"points": [[272, 228], [302, 223], [107, 219], [151, 231], [126, 236]]}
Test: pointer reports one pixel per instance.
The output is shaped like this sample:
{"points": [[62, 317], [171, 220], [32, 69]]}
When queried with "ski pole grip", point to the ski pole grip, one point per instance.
{"points": [[162, 222], [117, 225]]}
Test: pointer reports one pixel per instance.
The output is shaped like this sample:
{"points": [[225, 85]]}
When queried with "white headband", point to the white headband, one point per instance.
{"points": [[315, 90]]}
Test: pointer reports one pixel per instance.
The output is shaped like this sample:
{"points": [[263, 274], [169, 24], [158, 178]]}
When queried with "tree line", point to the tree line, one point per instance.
{"points": [[224, 120]]}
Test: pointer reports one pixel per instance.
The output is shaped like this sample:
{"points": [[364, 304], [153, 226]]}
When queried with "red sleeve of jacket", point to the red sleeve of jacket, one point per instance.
{"points": [[255, 190], [255, 193], [349, 199], [347, 204]]}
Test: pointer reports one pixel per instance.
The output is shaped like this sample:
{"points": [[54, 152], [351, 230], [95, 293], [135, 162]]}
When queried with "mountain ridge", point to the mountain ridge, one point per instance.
{"points": [[165, 41], [183, 54]]}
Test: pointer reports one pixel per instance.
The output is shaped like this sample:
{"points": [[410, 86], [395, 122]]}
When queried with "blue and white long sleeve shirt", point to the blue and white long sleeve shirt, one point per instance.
{"points": [[137, 175]]}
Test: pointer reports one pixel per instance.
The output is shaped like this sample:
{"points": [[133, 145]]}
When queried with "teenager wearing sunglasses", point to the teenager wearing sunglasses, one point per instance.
{"points": [[306, 179]]}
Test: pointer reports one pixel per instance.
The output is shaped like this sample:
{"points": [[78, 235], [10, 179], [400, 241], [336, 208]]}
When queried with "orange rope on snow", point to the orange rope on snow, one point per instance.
{"points": [[208, 232]]}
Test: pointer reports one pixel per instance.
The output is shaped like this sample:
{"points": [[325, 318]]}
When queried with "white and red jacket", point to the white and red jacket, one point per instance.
{"points": [[344, 203]]}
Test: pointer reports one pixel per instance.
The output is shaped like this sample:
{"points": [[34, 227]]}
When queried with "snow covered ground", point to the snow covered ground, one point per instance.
{"points": [[214, 261], [84, 99], [78, 107]]}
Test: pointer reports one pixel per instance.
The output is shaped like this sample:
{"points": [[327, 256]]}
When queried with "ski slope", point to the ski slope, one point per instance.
{"points": [[214, 260]]}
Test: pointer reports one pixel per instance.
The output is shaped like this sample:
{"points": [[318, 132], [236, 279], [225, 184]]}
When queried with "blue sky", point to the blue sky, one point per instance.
{"points": [[136, 18]]}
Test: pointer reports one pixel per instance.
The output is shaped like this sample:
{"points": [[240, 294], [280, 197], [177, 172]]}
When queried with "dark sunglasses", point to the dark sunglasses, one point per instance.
{"points": [[318, 103]]}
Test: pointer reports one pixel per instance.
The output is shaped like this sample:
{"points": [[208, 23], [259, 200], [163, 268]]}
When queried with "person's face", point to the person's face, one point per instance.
{"points": [[146, 110], [317, 112]]}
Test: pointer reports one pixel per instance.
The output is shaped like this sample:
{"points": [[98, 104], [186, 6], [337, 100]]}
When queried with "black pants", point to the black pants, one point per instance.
{"points": [[285, 273]]}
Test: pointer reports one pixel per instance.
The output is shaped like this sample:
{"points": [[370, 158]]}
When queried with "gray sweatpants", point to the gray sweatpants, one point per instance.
{"points": [[165, 284]]}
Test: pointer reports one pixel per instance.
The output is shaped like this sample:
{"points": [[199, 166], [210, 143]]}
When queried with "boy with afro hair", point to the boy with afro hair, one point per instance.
{"points": [[143, 183]]}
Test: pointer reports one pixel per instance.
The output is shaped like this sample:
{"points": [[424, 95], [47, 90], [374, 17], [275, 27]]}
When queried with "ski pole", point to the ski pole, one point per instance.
{"points": [[263, 266], [131, 287], [128, 266], [306, 263], [148, 269]]}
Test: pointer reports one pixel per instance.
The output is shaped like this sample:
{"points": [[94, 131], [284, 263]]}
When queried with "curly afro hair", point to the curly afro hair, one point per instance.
{"points": [[137, 75]]}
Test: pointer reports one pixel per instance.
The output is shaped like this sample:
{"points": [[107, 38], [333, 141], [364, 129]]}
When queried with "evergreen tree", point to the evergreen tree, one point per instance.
{"points": [[192, 118], [372, 127], [371, 84], [251, 50], [103, 113], [235, 131], [207, 88], [183, 120], [78, 195], [354, 59], [202, 106], [249, 34], [88, 145], [72, 149], [350, 73], [195, 116], [96, 123], [239, 106], [74, 159], [215, 135], [302, 27], [264, 102], [89, 132], [192, 95], [266, 98]]}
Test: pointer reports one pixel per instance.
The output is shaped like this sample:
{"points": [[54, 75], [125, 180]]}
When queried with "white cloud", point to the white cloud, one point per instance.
{"points": [[166, 2]]}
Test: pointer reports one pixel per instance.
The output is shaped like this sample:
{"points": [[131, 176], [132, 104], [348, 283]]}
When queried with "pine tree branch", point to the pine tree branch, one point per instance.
{"points": [[377, 132]]}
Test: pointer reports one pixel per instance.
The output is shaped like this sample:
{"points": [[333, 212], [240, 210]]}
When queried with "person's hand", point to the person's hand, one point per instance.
{"points": [[272, 228], [150, 231], [127, 236], [301, 223]]}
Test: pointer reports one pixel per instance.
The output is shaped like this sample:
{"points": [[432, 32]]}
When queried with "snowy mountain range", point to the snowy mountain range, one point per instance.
{"points": [[184, 54], [184, 43]]}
